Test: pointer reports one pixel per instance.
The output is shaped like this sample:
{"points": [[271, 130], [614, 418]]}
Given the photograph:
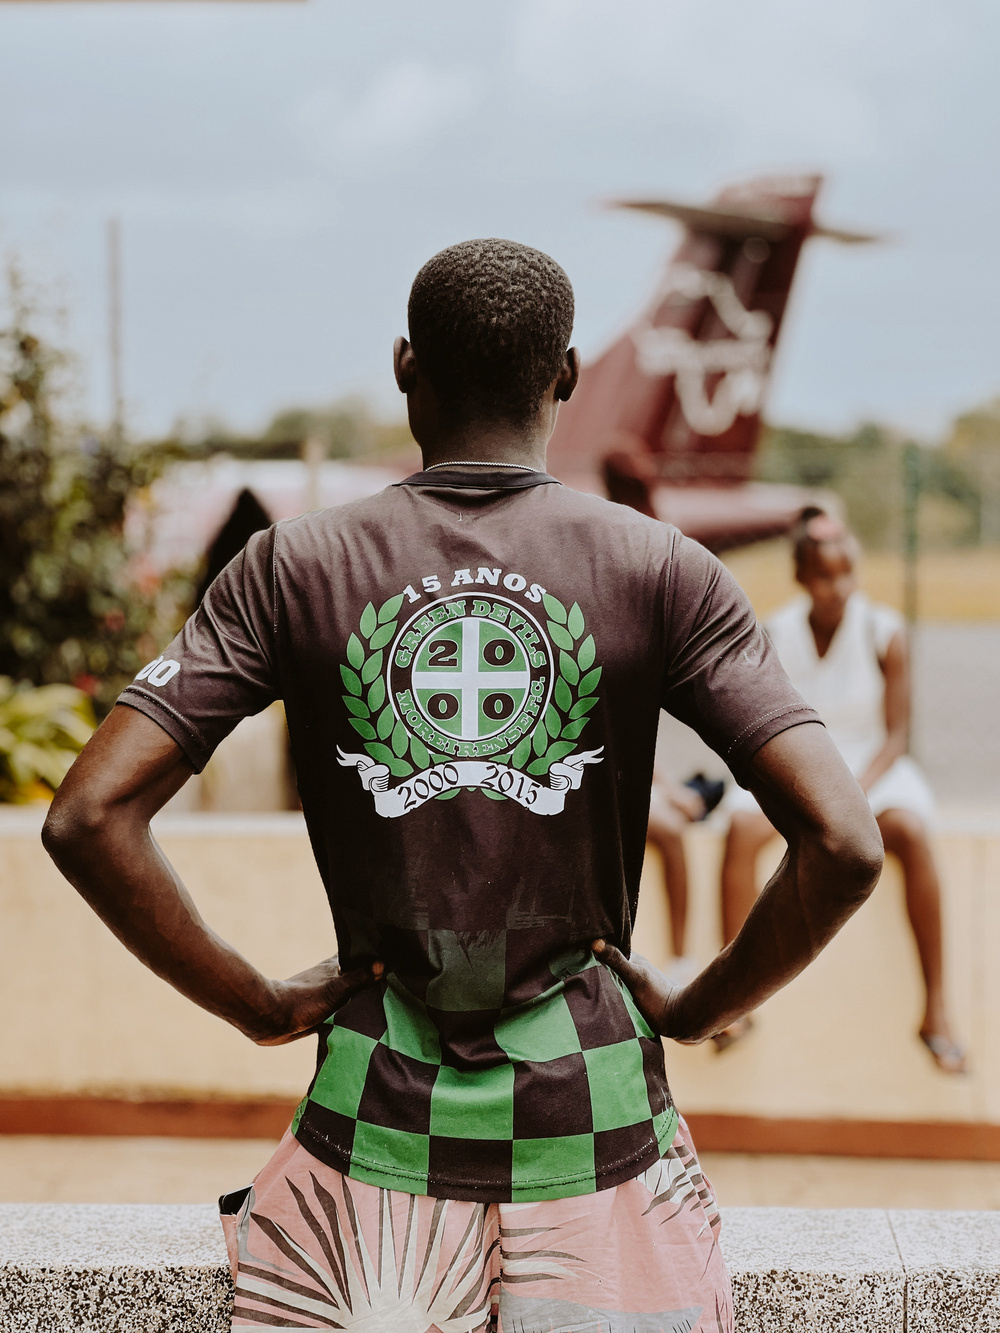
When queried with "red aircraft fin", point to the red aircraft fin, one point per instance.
{"points": [[677, 400]]}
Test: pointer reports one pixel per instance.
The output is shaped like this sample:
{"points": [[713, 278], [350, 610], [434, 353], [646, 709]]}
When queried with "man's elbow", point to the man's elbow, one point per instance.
{"points": [[72, 824], [855, 846]]}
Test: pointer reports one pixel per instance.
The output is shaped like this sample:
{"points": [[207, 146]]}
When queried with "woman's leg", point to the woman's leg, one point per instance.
{"points": [[748, 833], [665, 835], [905, 835]]}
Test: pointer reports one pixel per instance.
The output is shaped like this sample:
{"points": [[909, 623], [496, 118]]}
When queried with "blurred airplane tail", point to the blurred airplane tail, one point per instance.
{"points": [[677, 400]]}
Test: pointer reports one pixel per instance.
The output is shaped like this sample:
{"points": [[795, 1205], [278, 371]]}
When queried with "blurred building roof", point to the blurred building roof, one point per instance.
{"points": [[175, 521]]}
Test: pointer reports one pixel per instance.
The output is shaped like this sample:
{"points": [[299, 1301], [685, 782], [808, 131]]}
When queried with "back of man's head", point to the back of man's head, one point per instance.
{"points": [[490, 323]]}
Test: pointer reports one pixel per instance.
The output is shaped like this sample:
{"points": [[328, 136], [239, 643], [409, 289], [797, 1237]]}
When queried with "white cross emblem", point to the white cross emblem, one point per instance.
{"points": [[468, 679]]}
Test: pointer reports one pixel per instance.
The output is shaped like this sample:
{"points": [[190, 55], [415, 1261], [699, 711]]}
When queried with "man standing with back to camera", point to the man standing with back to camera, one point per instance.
{"points": [[472, 664]]}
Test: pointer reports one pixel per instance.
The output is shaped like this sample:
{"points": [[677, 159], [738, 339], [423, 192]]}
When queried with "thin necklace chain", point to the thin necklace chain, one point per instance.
{"points": [[472, 462]]}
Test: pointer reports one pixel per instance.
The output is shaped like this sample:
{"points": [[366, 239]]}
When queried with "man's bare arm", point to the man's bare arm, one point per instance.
{"points": [[98, 834], [833, 862]]}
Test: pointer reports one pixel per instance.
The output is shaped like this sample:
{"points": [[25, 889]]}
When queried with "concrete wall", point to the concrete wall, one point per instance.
{"points": [[841, 1039], [95, 1268], [79, 1015]]}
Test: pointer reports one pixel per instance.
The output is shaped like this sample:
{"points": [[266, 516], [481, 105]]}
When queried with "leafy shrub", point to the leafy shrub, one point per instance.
{"points": [[42, 730], [71, 608]]}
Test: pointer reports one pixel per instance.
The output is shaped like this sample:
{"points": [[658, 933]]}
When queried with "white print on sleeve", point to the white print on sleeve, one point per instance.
{"points": [[159, 671]]}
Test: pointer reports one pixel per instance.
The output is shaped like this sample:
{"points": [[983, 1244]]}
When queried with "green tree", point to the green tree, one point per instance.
{"points": [[346, 429], [70, 609], [973, 447], [865, 469]]}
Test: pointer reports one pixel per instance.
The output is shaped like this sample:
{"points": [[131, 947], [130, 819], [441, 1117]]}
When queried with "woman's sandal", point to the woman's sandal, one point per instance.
{"points": [[731, 1035], [947, 1054]]}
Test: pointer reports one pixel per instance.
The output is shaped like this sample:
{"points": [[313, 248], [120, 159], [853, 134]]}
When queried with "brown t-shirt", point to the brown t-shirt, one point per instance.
{"points": [[472, 665]]}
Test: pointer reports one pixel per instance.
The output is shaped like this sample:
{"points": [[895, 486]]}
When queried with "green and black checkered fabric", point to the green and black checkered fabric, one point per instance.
{"points": [[563, 1095], [498, 1061]]}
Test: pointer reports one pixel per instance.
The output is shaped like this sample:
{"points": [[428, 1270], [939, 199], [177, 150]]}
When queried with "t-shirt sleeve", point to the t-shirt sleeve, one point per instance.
{"points": [[221, 667], [723, 677], [886, 623]]}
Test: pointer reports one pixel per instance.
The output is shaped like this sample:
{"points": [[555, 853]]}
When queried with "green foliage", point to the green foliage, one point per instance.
{"points": [[973, 449], [565, 718], [71, 610], [345, 429], [865, 469], [41, 732], [378, 627]]}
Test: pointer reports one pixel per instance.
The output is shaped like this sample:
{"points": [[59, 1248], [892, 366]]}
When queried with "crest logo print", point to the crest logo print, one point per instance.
{"points": [[473, 677], [471, 692]]}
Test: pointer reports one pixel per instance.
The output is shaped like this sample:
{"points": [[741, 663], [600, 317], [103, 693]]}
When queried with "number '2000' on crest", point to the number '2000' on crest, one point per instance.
{"points": [[470, 676]]}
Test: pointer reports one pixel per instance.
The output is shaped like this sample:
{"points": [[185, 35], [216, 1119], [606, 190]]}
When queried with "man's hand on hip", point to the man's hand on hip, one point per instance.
{"points": [[305, 1000], [656, 999], [832, 863], [98, 834]]}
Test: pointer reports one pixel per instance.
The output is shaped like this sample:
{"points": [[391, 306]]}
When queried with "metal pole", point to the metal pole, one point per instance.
{"points": [[911, 536], [313, 454], [115, 328]]}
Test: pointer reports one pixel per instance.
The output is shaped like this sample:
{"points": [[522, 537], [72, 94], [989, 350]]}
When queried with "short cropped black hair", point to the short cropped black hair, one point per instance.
{"points": [[490, 323]]}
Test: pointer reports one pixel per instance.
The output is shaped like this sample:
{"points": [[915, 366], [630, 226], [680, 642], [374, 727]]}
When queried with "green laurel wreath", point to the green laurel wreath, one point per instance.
{"points": [[389, 742], [573, 696], [385, 738]]}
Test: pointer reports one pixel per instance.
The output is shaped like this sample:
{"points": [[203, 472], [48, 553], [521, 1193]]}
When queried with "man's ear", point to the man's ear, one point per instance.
{"points": [[404, 365], [568, 377]]}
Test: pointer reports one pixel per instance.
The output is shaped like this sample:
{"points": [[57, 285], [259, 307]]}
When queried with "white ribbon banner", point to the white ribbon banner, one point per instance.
{"points": [[565, 775]]}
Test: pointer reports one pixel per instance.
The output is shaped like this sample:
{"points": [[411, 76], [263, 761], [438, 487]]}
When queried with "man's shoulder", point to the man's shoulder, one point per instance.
{"points": [[324, 524], [609, 516], [633, 538]]}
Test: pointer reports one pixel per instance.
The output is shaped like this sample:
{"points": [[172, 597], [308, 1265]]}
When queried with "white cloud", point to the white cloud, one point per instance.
{"points": [[406, 103], [288, 167], [785, 78]]}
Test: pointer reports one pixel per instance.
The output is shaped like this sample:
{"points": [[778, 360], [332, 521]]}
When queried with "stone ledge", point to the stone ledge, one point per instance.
{"points": [[830, 1270], [121, 1268], [952, 1265], [133, 1268]]}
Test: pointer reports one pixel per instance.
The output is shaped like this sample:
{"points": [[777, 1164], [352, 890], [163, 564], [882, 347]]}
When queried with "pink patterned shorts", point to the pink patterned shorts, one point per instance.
{"points": [[312, 1249]]}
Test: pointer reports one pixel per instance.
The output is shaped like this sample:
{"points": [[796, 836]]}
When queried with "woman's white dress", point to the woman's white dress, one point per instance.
{"points": [[847, 689]]}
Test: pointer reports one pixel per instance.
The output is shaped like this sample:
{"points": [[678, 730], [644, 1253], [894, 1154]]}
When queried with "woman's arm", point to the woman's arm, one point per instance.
{"points": [[896, 670]]}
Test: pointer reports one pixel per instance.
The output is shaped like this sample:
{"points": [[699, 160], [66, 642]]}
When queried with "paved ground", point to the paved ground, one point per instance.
{"points": [[956, 713], [956, 717], [745, 1180], [94, 1170]]}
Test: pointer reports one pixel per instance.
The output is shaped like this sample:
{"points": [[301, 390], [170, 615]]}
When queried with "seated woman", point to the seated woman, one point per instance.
{"points": [[848, 658], [671, 806]]}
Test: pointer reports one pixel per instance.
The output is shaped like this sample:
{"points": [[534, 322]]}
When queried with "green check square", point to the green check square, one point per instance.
{"points": [[572, 961], [618, 1095], [470, 970], [379, 1156], [341, 1079], [474, 1103], [638, 1022], [665, 1127], [543, 1030], [408, 1028], [551, 1162]]}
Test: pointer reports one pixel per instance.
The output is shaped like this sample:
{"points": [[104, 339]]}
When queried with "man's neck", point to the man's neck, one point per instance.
{"points": [[478, 443]]}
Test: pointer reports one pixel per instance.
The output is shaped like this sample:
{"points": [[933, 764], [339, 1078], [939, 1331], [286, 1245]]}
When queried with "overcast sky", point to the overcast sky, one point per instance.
{"points": [[282, 169]]}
